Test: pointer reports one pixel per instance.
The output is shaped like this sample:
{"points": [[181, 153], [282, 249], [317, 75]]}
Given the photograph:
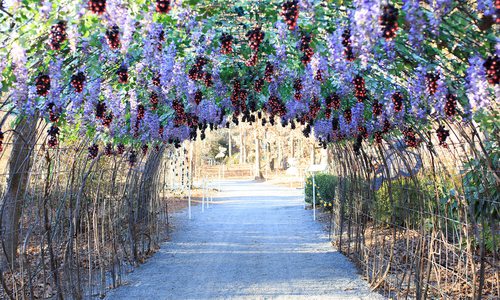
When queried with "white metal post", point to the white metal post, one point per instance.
{"points": [[314, 198]]}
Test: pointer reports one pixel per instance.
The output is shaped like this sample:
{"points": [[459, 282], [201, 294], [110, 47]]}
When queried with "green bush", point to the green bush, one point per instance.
{"points": [[325, 189]]}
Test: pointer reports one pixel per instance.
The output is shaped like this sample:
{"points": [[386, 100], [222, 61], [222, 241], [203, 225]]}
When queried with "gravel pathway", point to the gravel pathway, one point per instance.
{"points": [[255, 242]]}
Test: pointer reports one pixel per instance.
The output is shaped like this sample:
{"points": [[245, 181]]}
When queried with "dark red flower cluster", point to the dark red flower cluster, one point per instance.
{"points": [[53, 133], [258, 85], [122, 74], [53, 111], [348, 115], [269, 72], [93, 151], [161, 130], [335, 124], [333, 101], [363, 131], [377, 108], [389, 21], [442, 134], [450, 107], [319, 75], [386, 126], [346, 42], [113, 37], [97, 6], [1, 140], [100, 110], [358, 144], [42, 83], [277, 107], [161, 39], [108, 150], [58, 35], [492, 66], [120, 149], [154, 100], [132, 158], [431, 80], [144, 149], [314, 108], [180, 114], [198, 96], [140, 111], [238, 98], [163, 6], [410, 137], [255, 38], [397, 100], [252, 61], [196, 71], [359, 88], [290, 12], [140, 116], [305, 47], [108, 119], [207, 80], [298, 86], [307, 131], [78, 81], [226, 41], [156, 80], [377, 137]]}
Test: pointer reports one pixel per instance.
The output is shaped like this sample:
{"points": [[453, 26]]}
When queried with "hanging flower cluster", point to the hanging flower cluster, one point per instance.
{"points": [[93, 151], [163, 6], [97, 6], [113, 37], [442, 134], [492, 66], [389, 22], [78, 81], [359, 88], [226, 41], [255, 38], [410, 137], [346, 42], [297, 86], [42, 85], [58, 35], [305, 47], [397, 101], [290, 12]]}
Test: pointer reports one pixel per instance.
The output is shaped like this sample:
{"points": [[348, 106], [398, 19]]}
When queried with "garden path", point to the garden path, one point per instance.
{"points": [[255, 242]]}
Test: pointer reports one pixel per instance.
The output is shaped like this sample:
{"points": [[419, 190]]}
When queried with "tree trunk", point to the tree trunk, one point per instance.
{"points": [[19, 167], [313, 154], [230, 145], [241, 146], [258, 174]]}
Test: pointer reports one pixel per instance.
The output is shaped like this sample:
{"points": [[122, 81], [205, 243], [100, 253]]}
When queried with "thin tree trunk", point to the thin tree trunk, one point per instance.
{"points": [[258, 174], [19, 166]]}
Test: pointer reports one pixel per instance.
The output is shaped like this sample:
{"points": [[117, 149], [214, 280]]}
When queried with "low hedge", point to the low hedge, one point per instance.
{"points": [[325, 189]]}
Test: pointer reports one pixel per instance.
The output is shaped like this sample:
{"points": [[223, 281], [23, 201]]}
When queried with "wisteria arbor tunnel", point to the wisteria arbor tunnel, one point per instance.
{"points": [[111, 109]]}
